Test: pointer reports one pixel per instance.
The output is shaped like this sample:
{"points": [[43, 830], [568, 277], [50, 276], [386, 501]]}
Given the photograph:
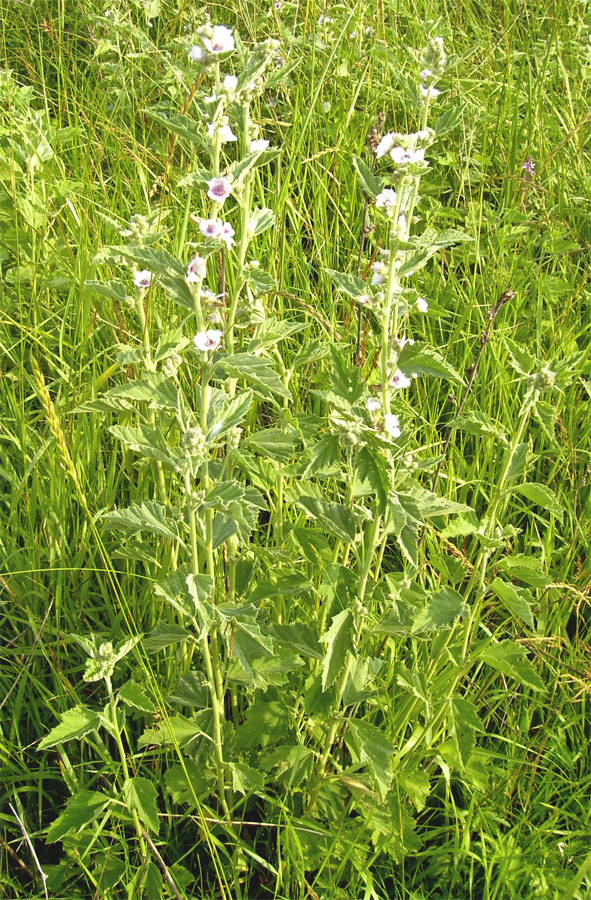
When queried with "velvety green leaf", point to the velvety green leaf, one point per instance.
{"points": [[518, 461], [230, 416], [525, 568], [75, 723], [148, 516], [349, 284], [81, 809], [336, 518], [183, 126], [292, 764], [276, 443], [115, 290], [260, 220], [421, 360], [264, 723], [140, 795], [339, 643], [164, 635], [187, 781], [463, 723], [147, 442], [158, 391], [511, 659], [175, 730], [257, 371], [417, 786], [345, 379], [370, 745], [371, 185], [298, 637], [442, 610], [515, 600], [135, 696], [374, 467], [546, 414], [541, 496], [323, 455], [474, 421], [245, 779], [192, 690]]}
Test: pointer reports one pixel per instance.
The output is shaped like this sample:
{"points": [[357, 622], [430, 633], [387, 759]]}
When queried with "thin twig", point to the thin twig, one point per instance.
{"points": [[162, 864], [31, 848]]}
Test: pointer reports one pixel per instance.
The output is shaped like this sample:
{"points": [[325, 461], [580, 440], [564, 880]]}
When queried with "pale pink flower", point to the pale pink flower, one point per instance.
{"points": [[206, 341], [392, 425], [372, 404], [142, 279], [230, 83], [196, 53], [404, 157], [385, 145], [196, 270], [429, 92], [399, 380], [386, 199], [227, 235], [221, 41], [210, 228], [258, 146], [224, 130], [422, 305], [219, 189]]}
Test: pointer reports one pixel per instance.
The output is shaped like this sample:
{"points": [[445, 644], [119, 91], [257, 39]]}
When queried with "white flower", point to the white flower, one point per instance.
{"points": [[142, 279], [379, 273], [221, 41], [404, 157], [392, 425], [196, 270], [372, 404], [208, 340], [258, 146], [224, 130], [385, 145], [227, 235], [210, 228], [219, 189], [196, 53], [426, 74], [324, 20], [211, 98], [386, 199], [230, 83], [422, 305], [399, 380], [430, 92]]}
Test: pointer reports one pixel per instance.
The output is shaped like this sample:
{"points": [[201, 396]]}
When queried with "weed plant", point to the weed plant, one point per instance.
{"points": [[295, 332]]}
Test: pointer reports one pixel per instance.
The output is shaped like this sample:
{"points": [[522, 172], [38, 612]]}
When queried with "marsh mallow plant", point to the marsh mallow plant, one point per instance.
{"points": [[284, 539]]}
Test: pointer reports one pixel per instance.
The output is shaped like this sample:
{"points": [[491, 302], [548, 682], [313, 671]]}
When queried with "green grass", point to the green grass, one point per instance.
{"points": [[517, 823]]}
